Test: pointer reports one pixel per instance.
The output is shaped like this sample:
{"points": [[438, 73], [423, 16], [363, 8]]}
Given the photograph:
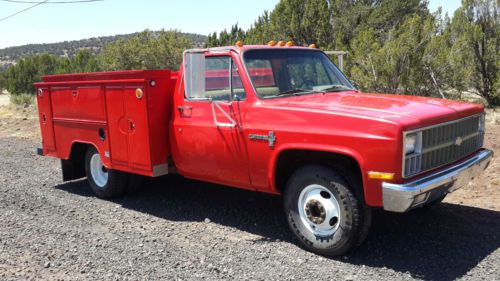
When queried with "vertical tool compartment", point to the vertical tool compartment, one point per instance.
{"points": [[129, 128], [46, 122]]}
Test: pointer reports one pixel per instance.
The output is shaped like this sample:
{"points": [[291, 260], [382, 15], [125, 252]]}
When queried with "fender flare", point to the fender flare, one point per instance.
{"points": [[106, 161], [349, 152]]}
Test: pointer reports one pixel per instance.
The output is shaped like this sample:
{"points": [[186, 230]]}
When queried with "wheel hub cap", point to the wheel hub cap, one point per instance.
{"points": [[315, 211], [98, 171], [319, 210]]}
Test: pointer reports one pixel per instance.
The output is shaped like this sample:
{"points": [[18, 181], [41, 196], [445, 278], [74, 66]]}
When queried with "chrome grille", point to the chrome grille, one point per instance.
{"points": [[444, 143]]}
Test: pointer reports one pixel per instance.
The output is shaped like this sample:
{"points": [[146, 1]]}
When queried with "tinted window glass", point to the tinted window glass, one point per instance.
{"points": [[274, 72]]}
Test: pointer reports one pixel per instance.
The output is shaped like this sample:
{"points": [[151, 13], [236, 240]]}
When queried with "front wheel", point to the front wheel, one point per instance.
{"points": [[103, 182], [323, 212]]}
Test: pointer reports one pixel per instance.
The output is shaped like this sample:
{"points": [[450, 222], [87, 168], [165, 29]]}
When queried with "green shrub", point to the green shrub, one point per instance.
{"points": [[22, 99]]}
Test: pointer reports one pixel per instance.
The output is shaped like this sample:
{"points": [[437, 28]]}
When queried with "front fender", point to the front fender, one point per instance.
{"points": [[313, 147]]}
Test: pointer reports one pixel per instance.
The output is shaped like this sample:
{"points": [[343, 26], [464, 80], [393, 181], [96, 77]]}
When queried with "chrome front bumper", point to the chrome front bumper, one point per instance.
{"points": [[404, 197]]}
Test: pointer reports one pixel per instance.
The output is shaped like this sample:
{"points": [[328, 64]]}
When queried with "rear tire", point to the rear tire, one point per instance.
{"points": [[323, 212], [103, 182]]}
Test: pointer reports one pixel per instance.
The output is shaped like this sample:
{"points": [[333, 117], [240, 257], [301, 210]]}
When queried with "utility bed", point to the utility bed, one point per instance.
{"points": [[124, 114]]}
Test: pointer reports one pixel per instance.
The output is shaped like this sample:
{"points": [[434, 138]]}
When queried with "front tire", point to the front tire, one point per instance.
{"points": [[323, 212], [103, 182]]}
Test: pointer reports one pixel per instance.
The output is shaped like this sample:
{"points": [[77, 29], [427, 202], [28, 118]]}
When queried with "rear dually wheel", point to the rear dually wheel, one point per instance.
{"points": [[105, 183]]}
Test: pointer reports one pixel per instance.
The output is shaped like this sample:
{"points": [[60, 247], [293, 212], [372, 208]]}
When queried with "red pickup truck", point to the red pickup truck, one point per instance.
{"points": [[270, 118]]}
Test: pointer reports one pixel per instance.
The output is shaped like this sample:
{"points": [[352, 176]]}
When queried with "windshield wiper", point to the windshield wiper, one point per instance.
{"points": [[298, 91], [338, 88]]}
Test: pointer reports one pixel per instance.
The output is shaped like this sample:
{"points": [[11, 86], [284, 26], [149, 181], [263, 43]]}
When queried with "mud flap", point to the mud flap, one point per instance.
{"points": [[72, 170]]}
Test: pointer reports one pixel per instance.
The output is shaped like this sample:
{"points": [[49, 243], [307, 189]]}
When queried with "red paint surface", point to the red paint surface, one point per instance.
{"points": [[142, 133], [136, 130]]}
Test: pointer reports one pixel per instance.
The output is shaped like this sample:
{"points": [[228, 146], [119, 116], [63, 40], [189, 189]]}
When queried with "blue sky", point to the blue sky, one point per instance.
{"points": [[449, 6], [60, 22]]}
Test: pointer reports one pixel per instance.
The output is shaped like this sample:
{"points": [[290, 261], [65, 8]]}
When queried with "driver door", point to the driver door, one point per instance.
{"points": [[209, 142]]}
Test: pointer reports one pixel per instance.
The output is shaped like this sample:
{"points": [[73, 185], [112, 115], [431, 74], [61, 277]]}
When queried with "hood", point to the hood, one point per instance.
{"points": [[408, 111]]}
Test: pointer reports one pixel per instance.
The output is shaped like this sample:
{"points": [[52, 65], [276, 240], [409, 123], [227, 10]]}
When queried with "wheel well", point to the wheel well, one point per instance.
{"points": [[290, 160], [74, 167]]}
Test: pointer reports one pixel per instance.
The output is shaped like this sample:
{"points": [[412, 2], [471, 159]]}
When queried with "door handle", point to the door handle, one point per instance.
{"points": [[182, 108]]}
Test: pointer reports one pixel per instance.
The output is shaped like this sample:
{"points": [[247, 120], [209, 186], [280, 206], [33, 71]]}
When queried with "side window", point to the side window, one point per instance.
{"points": [[217, 83], [215, 78], [238, 91]]}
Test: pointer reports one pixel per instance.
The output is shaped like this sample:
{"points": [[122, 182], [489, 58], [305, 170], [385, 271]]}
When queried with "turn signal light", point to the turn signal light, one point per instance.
{"points": [[380, 176]]}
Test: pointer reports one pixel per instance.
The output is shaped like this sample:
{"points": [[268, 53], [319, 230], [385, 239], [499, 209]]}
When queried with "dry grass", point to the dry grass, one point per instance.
{"points": [[22, 99], [4, 99], [18, 121], [493, 115]]}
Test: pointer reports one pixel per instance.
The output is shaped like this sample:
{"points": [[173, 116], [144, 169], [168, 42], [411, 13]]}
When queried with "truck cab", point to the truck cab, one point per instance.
{"points": [[274, 118]]}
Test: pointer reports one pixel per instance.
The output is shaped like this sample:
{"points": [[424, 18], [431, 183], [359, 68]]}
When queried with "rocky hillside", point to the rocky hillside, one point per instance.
{"points": [[10, 55]]}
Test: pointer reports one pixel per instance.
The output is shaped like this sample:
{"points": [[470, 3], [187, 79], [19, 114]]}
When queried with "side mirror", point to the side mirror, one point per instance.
{"points": [[194, 74]]}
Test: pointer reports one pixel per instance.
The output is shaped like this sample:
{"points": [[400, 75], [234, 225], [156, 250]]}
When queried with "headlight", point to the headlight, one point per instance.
{"points": [[482, 123], [412, 143]]}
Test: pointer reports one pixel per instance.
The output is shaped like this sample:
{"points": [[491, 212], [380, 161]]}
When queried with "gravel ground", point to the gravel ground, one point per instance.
{"points": [[181, 229]]}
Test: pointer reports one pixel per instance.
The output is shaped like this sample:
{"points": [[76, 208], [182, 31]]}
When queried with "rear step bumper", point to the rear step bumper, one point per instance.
{"points": [[404, 197]]}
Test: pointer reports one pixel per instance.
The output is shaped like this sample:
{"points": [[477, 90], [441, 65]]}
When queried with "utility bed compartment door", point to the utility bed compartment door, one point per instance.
{"points": [[117, 124], [128, 127], [138, 133], [78, 103], [46, 122]]}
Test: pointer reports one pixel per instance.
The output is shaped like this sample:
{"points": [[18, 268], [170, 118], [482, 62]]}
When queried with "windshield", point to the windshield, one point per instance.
{"points": [[280, 72]]}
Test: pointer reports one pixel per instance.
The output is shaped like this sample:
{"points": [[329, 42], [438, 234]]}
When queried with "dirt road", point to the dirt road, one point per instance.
{"points": [[181, 229]]}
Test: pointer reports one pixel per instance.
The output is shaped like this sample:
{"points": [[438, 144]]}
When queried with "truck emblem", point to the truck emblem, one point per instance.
{"points": [[271, 138], [458, 141]]}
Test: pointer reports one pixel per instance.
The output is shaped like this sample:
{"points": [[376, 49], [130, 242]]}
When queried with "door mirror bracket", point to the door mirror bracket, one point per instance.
{"points": [[232, 123]]}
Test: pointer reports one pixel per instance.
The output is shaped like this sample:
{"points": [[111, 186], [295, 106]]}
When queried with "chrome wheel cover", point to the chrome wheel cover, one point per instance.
{"points": [[319, 210], [98, 171]]}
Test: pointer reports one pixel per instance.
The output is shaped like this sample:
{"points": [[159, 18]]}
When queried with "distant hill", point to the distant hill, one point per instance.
{"points": [[10, 55]]}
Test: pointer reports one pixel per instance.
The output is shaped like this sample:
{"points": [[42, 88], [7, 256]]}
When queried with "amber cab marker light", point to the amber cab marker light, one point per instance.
{"points": [[380, 176], [281, 43], [289, 44], [312, 46], [239, 44], [271, 43]]}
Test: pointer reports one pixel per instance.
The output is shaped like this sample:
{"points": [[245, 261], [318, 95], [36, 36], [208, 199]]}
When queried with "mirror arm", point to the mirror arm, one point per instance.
{"points": [[232, 123]]}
